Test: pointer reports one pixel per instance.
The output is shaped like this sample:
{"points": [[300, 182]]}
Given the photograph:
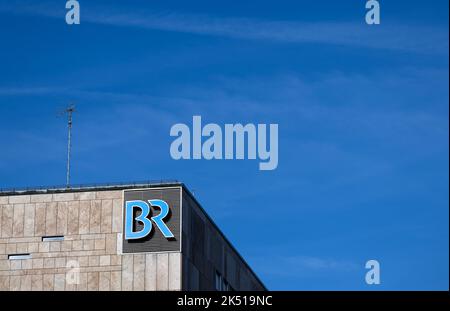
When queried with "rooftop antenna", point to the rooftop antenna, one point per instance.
{"points": [[69, 112]]}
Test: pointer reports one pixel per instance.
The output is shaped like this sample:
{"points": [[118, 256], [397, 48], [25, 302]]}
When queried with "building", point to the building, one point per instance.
{"points": [[135, 237]]}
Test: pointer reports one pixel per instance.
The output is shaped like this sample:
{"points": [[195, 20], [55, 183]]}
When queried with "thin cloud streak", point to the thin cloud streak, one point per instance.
{"points": [[300, 265], [398, 37], [294, 96]]}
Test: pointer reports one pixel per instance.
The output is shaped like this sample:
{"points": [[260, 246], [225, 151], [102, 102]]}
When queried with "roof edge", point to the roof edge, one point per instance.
{"points": [[88, 187]]}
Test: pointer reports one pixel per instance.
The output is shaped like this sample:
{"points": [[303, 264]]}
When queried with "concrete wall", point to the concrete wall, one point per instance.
{"points": [[91, 223]]}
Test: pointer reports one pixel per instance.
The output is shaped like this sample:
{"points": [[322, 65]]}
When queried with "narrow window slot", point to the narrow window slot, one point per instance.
{"points": [[52, 238], [19, 257]]}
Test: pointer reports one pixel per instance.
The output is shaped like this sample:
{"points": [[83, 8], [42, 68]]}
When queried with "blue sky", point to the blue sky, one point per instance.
{"points": [[362, 114]]}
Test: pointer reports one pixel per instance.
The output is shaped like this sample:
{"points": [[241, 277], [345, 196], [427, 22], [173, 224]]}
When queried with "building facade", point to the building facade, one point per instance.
{"points": [[147, 237]]}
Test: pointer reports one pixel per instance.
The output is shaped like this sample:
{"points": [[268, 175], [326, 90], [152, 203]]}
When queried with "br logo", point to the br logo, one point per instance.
{"points": [[132, 217]]}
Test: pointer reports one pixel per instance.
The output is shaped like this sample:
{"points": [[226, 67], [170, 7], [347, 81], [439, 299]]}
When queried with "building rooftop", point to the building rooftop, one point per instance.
{"points": [[117, 187], [88, 187]]}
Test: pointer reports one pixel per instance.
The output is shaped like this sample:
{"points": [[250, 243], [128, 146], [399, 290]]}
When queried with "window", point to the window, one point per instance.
{"points": [[53, 238], [221, 284], [19, 257], [218, 282]]}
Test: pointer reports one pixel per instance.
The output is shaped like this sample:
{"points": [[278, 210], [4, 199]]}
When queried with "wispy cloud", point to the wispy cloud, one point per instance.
{"points": [[30, 91], [300, 265], [401, 37], [399, 117], [403, 103]]}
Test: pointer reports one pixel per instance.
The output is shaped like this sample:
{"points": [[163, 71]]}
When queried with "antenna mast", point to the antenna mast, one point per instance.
{"points": [[69, 111]]}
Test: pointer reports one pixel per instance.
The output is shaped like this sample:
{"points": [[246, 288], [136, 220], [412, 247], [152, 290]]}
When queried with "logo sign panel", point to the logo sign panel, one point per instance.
{"points": [[152, 220]]}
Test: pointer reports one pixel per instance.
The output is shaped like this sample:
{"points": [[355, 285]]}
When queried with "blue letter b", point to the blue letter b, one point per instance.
{"points": [[143, 218]]}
